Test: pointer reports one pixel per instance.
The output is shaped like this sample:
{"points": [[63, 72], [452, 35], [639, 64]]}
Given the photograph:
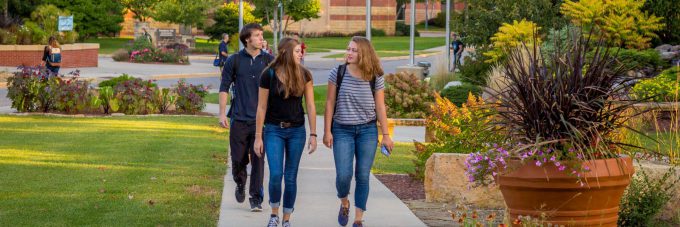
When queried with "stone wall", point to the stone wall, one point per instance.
{"points": [[73, 55]]}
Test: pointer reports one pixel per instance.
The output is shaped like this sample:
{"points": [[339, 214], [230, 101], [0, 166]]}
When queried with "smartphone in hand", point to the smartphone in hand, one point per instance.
{"points": [[385, 151]]}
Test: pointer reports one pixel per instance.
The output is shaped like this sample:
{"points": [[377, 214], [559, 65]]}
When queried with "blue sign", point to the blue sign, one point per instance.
{"points": [[65, 23]]}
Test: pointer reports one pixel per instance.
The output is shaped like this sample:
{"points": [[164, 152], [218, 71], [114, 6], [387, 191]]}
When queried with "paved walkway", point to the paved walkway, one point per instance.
{"points": [[317, 203]]}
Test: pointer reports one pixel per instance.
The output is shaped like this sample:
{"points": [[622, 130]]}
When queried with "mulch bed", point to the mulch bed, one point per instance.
{"points": [[403, 186]]}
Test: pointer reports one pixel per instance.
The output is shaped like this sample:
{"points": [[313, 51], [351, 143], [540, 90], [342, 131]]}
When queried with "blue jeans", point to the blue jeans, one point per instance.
{"points": [[350, 141], [279, 144]]}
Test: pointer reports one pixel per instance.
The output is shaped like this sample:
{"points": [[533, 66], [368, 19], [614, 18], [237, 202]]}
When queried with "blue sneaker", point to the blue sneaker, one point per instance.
{"points": [[343, 215], [360, 224]]}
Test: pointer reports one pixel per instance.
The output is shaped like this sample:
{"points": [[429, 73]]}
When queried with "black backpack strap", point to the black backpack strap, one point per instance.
{"points": [[340, 74], [373, 85], [234, 66]]}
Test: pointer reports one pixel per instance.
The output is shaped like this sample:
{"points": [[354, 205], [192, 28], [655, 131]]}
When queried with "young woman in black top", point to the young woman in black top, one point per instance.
{"points": [[282, 86]]}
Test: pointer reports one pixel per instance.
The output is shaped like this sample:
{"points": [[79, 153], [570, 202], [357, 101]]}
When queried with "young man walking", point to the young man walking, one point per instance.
{"points": [[243, 70], [457, 46]]}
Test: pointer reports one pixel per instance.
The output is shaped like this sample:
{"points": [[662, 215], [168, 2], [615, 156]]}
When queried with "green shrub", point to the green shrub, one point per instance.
{"points": [[135, 96], [141, 43], [190, 97], [37, 34], [644, 198], [113, 82], [71, 95], [402, 29], [475, 69], [68, 37], [406, 96], [121, 55], [7, 38], [459, 94], [377, 32], [663, 88], [25, 88]]}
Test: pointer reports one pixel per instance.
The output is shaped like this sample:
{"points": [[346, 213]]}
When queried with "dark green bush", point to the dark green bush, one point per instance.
{"points": [[459, 94], [141, 43], [402, 29], [113, 82], [474, 69]]}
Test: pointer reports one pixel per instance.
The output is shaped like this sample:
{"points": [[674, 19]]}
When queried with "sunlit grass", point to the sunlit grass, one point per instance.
{"points": [[399, 162], [122, 171]]}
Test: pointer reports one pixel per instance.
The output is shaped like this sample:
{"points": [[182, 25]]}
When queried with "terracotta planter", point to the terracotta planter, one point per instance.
{"points": [[532, 190]]}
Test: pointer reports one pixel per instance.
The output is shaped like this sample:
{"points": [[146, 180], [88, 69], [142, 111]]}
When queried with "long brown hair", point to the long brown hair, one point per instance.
{"points": [[52, 41], [293, 76], [368, 61]]}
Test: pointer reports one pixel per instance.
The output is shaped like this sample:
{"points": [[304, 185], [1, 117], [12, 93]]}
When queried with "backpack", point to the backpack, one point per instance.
{"points": [[338, 82], [54, 58]]}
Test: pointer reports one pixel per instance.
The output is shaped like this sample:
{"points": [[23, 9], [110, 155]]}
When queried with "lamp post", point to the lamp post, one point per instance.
{"points": [[411, 56], [368, 19], [240, 21]]}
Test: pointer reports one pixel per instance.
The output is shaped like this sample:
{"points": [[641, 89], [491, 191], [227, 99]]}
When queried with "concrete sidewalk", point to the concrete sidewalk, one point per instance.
{"points": [[317, 203]]}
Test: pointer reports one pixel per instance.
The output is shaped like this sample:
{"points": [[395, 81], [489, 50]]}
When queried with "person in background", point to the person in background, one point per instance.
{"points": [[224, 48], [296, 36], [266, 47], [49, 56], [457, 46]]}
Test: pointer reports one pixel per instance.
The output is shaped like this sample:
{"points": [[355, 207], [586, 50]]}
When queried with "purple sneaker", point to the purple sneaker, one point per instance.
{"points": [[343, 215], [360, 224]]}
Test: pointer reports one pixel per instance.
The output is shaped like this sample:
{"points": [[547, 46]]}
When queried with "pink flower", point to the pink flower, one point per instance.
{"points": [[561, 168], [538, 163]]}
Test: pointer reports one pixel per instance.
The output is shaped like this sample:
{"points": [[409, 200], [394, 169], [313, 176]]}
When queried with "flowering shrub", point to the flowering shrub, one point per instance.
{"points": [[135, 96], [456, 129], [190, 97], [663, 88], [406, 96], [71, 95], [26, 87], [32, 89], [158, 55]]}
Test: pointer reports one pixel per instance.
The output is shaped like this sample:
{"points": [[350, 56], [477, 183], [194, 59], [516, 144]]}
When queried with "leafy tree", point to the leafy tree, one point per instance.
{"points": [[93, 17], [143, 9], [186, 12], [301, 9], [226, 20], [47, 16], [619, 22], [296, 10], [669, 10], [510, 36], [482, 18]]}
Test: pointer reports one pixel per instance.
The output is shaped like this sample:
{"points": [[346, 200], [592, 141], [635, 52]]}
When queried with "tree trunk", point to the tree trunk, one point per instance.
{"points": [[6, 8]]}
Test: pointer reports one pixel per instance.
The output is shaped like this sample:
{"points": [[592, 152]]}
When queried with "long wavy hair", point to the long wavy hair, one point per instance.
{"points": [[293, 75], [368, 61]]}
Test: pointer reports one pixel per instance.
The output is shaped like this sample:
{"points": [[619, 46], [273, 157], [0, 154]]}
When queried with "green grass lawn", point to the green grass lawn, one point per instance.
{"points": [[383, 54], [109, 45], [400, 162], [111, 171], [666, 143], [431, 28], [387, 43]]}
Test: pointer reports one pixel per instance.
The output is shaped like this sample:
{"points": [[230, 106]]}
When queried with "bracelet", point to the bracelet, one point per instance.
{"points": [[313, 134]]}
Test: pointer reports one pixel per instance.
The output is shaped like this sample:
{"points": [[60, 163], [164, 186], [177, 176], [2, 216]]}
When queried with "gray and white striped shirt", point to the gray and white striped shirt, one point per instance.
{"points": [[355, 104]]}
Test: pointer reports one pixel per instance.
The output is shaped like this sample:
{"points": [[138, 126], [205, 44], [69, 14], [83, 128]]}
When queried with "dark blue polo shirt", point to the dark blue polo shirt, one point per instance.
{"points": [[223, 48], [246, 83]]}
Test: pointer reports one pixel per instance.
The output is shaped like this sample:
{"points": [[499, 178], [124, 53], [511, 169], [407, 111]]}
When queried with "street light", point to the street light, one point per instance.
{"points": [[368, 19], [448, 35], [411, 56], [240, 21]]}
